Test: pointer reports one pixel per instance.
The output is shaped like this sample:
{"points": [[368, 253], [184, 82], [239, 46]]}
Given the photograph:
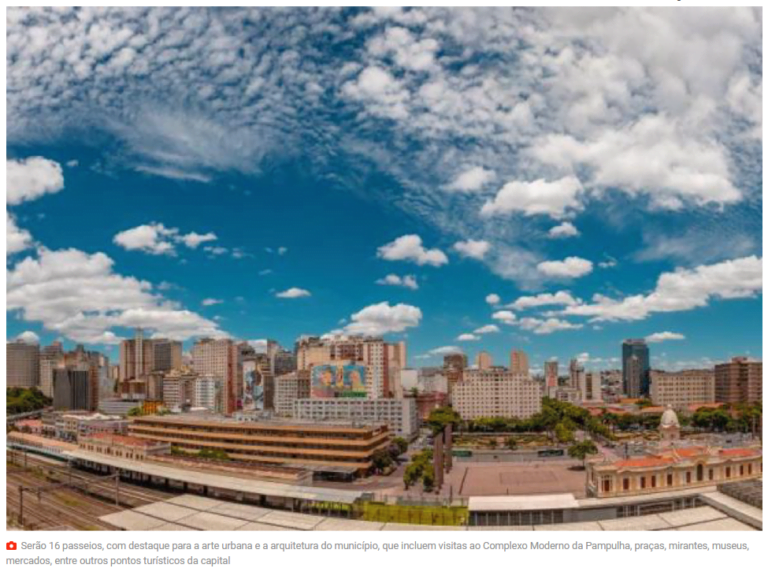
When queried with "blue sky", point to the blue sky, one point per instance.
{"points": [[473, 179]]}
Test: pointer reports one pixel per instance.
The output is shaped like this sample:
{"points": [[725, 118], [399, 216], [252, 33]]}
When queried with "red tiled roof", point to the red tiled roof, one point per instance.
{"points": [[124, 440], [738, 453], [644, 462], [691, 451]]}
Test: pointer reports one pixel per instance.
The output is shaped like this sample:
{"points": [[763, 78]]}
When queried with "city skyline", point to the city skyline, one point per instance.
{"points": [[295, 184]]}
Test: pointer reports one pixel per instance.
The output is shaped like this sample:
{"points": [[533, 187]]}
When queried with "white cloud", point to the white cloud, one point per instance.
{"points": [[32, 178], [681, 290], [282, 250], [490, 328], [547, 326], [560, 298], [28, 337], [651, 158], [293, 293], [468, 337], [259, 345], [409, 247], [538, 197], [609, 263], [193, 240], [505, 316], [664, 336], [154, 238], [564, 230], [440, 352], [472, 249], [492, 299], [216, 250], [571, 267], [471, 180], [79, 296], [211, 302], [381, 318], [157, 239], [16, 238], [407, 281]]}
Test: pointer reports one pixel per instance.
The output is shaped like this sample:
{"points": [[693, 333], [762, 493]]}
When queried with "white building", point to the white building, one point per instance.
{"points": [[208, 393], [496, 392], [288, 389], [400, 415]]}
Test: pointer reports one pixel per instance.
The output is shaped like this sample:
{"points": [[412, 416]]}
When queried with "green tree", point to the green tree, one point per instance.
{"points": [[428, 479], [581, 450], [510, 443], [412, 474], [381, 460], [440, 417], [563, 434], [492, 443], [135, 411], [401, 443]]}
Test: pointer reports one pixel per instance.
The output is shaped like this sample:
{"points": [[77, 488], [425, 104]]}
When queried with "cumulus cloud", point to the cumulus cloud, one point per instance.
{"points": [[564, 230], [492, 299], [472, 249], [571, 267], [548, 325], [32, 178], [16, 238], [293, 293], [79, 296], [560, 298], [471, 180], [505, 316], [379, 319], [664, 336], [441, 352], [407, 281], [211, 301], [681, 290], [468, 337], [28, 337], [490, 328], [538, 197], [157, 239], [409, 247]]}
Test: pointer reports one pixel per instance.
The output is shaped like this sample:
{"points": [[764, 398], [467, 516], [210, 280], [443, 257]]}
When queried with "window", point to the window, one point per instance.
{"points": [[741, 470], [669, 480], [728, 472], [653, 481], [606, 485], [626, 484], [687, 476], [642, 482], [711, 474]]}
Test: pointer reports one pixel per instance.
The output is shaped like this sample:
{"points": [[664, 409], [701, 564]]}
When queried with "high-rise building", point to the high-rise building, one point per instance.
{"points": [[22, 364], [551, 373], [51, 357], [578, 377], [454, 365], [179, 387], [209, 393], [594, 387], [258, 383], [220, 358], [518, 362], [740, 380], [373, 352], [636, 368], [71, 389], [283, 362], [496, 392], [290, 388], [484, 361], [683, 388], [167, 354]]}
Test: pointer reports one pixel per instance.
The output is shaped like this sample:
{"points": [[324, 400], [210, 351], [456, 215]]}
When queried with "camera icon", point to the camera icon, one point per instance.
{"points": [[10, 545]]}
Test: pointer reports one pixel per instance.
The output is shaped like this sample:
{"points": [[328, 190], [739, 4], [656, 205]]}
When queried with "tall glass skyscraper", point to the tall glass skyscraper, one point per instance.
{"points": [[636, 367]]}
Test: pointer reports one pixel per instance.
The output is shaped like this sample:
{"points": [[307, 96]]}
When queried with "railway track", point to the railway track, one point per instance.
{"points": [[78, 505]]}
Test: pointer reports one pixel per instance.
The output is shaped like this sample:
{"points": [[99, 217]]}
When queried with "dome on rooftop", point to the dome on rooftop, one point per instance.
{"points": [[669, 419]]}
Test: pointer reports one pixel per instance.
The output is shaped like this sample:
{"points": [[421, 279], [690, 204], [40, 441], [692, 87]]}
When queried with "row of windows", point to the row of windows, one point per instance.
{"points": [[653, 481], [249, 444]]}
